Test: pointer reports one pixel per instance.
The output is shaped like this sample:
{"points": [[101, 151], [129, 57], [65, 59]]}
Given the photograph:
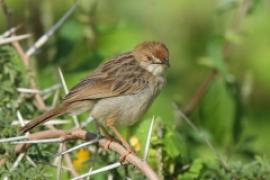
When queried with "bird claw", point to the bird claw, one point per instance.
{"points": [[124, 157], [109, 142]]}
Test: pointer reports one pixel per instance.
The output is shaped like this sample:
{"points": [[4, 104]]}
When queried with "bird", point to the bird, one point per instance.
{"points": [[118, 92]]}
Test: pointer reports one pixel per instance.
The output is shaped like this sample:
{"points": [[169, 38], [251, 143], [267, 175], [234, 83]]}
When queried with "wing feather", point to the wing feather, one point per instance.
{"points": [[118, 77]]}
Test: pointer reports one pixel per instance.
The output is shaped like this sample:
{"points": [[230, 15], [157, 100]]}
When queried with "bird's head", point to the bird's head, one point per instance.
{"points": [[153, 56]]}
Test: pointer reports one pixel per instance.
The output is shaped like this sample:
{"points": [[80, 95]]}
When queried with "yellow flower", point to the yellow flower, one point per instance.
{"points": [[82, 156], [135, 143]]}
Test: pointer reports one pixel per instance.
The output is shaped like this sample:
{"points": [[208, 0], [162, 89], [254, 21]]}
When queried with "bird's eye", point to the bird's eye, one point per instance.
{"points": [[148, 58]]}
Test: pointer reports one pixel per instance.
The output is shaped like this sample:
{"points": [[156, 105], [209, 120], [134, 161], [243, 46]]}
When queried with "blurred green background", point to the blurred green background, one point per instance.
{"points": [[234, 112]]}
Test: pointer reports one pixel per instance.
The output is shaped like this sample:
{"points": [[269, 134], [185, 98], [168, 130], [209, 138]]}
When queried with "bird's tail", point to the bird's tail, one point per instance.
{"points": [[57, 111]]}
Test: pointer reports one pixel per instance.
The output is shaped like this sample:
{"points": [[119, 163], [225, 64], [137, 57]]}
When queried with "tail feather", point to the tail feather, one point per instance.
{"points": [[57, 111]]}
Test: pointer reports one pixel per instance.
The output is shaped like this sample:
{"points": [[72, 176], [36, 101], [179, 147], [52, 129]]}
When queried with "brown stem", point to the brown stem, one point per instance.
{"points": [[80, 134], [200, 92], [197, 96], [7, 13], [39, 102]]}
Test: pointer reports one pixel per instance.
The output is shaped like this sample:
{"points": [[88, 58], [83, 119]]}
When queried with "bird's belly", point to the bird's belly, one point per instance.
{"points": [[125, 110]]}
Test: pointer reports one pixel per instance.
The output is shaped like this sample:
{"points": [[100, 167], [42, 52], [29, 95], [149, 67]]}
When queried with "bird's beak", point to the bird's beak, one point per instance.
{"points": [[167, 63]]}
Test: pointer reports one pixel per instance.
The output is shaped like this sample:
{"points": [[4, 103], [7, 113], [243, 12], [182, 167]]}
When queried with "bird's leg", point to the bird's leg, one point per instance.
{"points": [[110, 123], [107, 135], [121, 138], [102, 130], [124, 142]]}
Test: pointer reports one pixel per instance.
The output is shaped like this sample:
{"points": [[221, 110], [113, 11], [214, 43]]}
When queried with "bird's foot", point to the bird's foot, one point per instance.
{"points": [[123, 158], [109, 142]]}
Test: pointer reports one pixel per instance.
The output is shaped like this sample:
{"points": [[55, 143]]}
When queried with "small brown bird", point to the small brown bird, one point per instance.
{"points": [[119, 91]]}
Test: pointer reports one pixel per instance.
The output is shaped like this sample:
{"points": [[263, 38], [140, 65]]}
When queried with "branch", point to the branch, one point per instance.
{"points": [[10, 32], [7, 13], [197, 96], [80, 134], [43, 39], [13, 38]]}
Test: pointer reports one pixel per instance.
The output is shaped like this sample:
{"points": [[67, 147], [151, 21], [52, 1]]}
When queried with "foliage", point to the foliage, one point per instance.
{"points": [[258, 169], [233, 114], [13, 75]]}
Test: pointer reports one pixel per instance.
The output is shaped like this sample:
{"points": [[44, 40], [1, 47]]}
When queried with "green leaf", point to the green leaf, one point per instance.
{"points": [[215, 52], [174, 144], [193, 172], [206, 61], [217, 112]]}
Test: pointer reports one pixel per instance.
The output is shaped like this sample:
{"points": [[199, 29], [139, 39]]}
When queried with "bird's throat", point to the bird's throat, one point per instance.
{"points": [[155, 69]]}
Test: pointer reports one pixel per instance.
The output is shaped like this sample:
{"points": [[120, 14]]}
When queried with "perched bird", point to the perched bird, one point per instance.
{"points": [[119, 91]]}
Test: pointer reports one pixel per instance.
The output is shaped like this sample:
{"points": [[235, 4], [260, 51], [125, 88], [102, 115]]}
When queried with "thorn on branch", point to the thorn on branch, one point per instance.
{"points": [[80, 134]]}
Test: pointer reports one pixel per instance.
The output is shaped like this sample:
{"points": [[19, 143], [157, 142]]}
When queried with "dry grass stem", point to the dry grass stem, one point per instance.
{"points": [[9, 32], [64, 84], [39, 141], [79, 146], [59, 163], [87, 121], [43, 39], [51, 122], [148, 140], [5, 140], [203, 87], [37, 91], [205, 139], [9, 40], [90, 170], [79, 134], [15, 164], [103, 169]]}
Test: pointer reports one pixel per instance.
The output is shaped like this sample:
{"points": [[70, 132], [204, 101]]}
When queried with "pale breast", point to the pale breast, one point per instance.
{"points": [[127, 109]]}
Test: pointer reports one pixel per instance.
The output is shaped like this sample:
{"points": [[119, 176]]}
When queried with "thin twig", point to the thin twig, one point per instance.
{"points": [[148, 140], [64, 84], [197, 96], [103, 169], [37, 91], [43, 39], [7, 13], [10, 32], [90, 170], [206, 140], [22, 123], [59, 163], [51, 122], [27, 90], [39, 141], [78, 147], [55, 98], [87, 121], [52, 88], [14, 38], [39, 101], [16, 163], [20, 118], [103, 142], [31, 161], [5, 140], [68, 162]]}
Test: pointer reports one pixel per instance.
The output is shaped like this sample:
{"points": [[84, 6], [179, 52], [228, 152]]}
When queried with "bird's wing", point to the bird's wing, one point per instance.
{"points": [[118, 77]]}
